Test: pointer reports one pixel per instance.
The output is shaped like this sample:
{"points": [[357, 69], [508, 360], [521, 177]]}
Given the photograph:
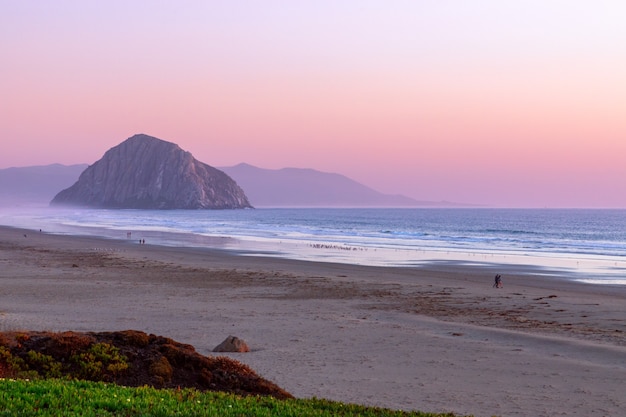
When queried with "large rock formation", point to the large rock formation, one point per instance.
{"points": [[144, 172]]}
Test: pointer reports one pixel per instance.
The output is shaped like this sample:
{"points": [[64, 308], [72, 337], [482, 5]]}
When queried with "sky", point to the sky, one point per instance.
{"points": [[500, 103]]}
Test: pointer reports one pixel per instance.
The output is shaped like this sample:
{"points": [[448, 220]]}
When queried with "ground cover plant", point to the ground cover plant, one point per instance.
{"points": [[130, 358], [54, 397]]}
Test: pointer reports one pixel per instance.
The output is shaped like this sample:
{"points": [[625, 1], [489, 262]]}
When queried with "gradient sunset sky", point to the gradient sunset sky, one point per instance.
{"points": [[503, 103]]}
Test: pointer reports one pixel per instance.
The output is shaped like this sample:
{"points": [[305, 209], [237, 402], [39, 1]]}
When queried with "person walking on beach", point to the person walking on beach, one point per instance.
{"points": [[498, 282]]}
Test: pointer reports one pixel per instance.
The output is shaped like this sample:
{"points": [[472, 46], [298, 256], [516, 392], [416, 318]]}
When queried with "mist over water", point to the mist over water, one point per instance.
{"points": [[585, 244]]}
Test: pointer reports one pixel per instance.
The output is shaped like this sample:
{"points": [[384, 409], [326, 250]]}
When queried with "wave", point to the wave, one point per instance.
{"points": [[557, 233]]}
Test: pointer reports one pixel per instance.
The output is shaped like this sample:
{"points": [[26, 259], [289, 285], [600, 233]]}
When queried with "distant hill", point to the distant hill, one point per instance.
{"points": [[287, 187], [297, 187], [36, 184]]}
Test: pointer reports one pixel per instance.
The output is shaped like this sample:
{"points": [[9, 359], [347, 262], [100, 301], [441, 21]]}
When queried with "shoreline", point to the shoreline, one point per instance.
{"points": [[433, 337], [591, 267]]}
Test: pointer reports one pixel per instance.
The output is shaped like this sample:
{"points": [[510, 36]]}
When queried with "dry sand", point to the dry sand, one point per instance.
{"points": [[437, 338]]}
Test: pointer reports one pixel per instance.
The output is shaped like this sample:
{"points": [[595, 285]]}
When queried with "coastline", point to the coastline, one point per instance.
{"points": [[435, 337], [540, 241]]}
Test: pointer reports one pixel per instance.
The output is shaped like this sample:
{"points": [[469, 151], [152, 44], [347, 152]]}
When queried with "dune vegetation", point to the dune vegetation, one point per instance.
{"points": [[56, 397], [131, 373]]}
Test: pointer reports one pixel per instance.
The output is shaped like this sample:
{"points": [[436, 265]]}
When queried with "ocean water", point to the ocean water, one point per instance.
{"points": [[588, 245]]}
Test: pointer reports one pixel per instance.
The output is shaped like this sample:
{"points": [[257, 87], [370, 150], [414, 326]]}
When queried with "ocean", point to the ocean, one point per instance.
{"points": [[588, 245]]}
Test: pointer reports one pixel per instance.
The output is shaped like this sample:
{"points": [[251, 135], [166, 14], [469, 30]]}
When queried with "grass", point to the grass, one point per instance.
{"points": [[57, 397]]}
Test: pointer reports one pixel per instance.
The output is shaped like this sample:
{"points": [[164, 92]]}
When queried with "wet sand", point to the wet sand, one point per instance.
{"points": [[434, 338]]}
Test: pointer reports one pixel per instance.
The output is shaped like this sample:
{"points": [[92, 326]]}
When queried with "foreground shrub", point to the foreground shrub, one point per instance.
{"points": [[131, 358]]}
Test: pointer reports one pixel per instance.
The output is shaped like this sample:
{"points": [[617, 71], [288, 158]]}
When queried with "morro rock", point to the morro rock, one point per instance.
{"points": [[144, 172]]}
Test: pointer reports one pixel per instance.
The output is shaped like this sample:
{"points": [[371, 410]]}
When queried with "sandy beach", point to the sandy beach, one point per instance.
{"points": [[436, 338]]}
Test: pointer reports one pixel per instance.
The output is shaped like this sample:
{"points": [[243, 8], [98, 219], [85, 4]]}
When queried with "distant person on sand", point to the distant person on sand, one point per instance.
{"points": [[498, 282]]}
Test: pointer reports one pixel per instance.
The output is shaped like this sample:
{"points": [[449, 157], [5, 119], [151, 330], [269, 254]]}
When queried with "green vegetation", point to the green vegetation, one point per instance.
{"points": [[55, 397], [100, 359], [96, 363], [128, 358], [116, 374]]}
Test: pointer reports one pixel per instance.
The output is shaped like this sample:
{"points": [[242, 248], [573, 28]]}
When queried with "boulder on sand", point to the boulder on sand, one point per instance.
{"points": [[232, 344]]}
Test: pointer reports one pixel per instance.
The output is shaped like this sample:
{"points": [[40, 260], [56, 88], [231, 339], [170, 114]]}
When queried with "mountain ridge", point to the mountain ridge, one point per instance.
{"points": [[307, 187], [36, 184], [40, 183]]}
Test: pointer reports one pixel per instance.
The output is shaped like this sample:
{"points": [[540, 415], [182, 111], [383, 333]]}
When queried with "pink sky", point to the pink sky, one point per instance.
{"points": [[510, 104]]}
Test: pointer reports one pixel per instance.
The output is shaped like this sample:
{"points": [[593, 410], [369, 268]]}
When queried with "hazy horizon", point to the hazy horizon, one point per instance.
{"points": [[506, 104]]}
